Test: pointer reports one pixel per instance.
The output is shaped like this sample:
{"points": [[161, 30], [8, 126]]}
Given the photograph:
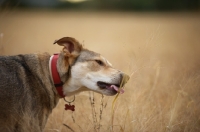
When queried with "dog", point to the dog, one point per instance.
{"points": [[32, 84]]}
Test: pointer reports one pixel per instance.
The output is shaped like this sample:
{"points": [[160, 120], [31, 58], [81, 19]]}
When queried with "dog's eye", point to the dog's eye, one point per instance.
{"points": [[99, 62]]}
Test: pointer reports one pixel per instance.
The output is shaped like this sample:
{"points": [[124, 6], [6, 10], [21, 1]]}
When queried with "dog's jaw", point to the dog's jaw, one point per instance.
{"points": [[72, 88]]}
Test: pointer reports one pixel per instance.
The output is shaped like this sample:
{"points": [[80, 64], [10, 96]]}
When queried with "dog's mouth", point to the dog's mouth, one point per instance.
{"points": [[113, 87]]}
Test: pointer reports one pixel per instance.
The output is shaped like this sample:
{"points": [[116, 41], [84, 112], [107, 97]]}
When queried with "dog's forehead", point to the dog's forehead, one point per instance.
{"points": [[91, 55], [86, 55]]}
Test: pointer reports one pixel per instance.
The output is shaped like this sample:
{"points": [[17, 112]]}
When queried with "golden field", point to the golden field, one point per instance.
{"points": [[160, 51]]}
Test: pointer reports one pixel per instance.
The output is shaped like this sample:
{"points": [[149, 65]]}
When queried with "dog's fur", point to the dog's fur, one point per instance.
{"points": [[27, 92]]}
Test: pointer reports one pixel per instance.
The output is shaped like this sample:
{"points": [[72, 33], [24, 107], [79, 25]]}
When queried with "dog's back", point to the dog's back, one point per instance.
{"points": [[25, 87]]}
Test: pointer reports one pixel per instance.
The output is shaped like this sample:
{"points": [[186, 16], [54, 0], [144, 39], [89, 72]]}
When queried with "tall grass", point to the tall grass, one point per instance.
{"points": [[169, 106]]}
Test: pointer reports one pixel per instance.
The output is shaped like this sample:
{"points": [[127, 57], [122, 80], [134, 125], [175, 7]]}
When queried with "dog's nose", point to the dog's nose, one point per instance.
{"points": [[125, 79]]}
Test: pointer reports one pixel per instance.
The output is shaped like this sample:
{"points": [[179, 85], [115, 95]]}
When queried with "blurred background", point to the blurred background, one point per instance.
{"points": [[156, 42], [122, 5]]}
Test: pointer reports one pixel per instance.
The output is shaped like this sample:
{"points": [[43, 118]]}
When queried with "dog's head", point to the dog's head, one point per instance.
{"points": [[83, 70]]}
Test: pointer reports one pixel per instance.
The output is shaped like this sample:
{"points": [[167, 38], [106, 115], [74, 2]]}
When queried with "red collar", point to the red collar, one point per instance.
{"points": [[55, 75]]}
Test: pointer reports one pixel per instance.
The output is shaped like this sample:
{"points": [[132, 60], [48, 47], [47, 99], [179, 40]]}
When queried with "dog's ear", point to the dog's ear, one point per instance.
{"points": [[70, 44], [70, 52]]}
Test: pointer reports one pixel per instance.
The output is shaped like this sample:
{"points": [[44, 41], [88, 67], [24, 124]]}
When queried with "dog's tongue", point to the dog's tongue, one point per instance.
{"points": [[117, 89]]}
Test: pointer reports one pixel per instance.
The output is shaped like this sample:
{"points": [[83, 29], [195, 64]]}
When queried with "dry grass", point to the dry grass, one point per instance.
{"points": [[160, 52]]}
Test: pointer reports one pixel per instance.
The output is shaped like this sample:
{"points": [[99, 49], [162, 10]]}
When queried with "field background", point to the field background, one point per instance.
{"points": [[160, 51]]}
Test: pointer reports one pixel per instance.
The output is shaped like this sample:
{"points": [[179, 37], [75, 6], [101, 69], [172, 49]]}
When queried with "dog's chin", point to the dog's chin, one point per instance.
{"points": [[109, 93], [105, 92]]}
